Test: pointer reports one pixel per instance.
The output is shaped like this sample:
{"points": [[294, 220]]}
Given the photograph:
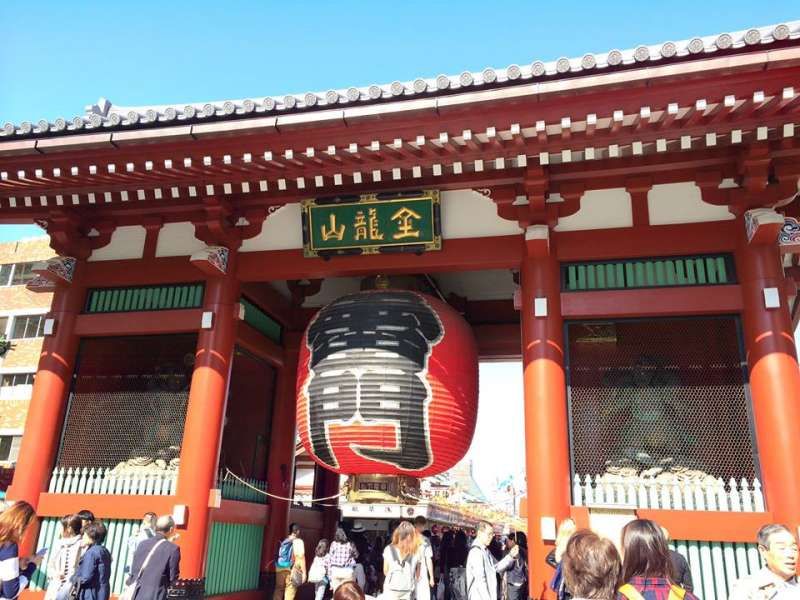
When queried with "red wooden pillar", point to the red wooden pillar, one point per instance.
{"points": [[546, 435], [204, 416], [280, 472], [774, 376], [48, 402], [326, 484]]}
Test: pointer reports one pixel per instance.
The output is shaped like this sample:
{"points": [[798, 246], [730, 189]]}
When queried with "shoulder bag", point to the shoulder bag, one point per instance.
{"points": [[130, 590]]}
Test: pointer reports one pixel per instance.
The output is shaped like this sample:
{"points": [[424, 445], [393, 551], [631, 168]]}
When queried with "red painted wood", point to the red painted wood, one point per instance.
{"points": [[233, 511], [139, 323], [104, 506], [260, 345], [677, 301], [625, 96], [708, 526], [281, 451], [545, 400], [774, 378], [654, 241], [205, 414], [503, 252], [147, 271], [48, 402], [270, 301], [496, 342]]}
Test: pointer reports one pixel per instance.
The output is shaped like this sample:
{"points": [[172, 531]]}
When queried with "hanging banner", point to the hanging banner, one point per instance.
{"points": [[372, 224]]}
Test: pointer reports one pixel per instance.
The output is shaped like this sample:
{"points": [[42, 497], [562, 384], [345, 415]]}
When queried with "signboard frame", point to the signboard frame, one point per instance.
{"points": [[430, 242]]}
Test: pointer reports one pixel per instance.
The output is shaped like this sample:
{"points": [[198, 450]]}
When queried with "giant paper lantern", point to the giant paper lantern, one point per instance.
{"points": [[387, 383]]}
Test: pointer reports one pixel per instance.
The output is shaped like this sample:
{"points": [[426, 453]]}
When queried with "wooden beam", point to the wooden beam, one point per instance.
{"points": [[498, 342], [469, 254], [652, 302], [139, 323], [653, 241], [248, 513], [104, 506], [269, 300], [708, 526], [146, 271], [263, 347]]}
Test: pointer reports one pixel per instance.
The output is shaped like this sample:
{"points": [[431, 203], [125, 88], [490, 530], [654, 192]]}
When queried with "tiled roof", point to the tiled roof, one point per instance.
{"points": [[105, 115]]}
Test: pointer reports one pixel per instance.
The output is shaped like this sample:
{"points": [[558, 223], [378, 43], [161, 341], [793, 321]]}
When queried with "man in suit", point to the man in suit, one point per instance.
{"points": [[161, 569]]}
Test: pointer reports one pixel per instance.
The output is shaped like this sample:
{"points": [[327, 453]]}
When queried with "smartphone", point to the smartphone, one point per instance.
{"points": [[42, 552]]}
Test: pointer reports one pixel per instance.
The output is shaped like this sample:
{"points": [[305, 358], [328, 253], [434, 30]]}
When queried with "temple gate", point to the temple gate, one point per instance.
{"points": [[625, 224]]}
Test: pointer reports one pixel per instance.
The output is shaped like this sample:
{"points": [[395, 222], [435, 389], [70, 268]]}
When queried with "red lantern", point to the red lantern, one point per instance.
{"points": [[387, 383]]}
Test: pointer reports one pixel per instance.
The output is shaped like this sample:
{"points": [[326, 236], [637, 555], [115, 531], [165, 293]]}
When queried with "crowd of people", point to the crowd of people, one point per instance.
{"points": [[417, 563], [591, 567], [78, 565], [414, 563]]}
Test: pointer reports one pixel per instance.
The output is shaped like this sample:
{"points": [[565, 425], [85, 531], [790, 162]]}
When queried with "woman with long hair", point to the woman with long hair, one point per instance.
{"points": [[591, 566], [646, 565], [318, 574], [15, 572], [565, 530], [340, 560], [63, 558], [399, 565]]}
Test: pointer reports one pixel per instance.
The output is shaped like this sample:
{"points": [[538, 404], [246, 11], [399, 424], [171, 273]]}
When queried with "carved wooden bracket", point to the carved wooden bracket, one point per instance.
{"points": [[302, 289], [763, 182], [70, 236], [219, 224], [531, 203], [763, 225], [211, 260]]}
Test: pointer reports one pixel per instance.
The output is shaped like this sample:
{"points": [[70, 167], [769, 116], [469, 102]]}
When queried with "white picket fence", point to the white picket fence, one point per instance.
{"points": [[712, 495], [103, 481], [716, 565]]}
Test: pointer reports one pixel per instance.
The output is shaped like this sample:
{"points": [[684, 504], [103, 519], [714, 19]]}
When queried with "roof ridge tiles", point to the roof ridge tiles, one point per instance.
{"points": [[105, 115]]}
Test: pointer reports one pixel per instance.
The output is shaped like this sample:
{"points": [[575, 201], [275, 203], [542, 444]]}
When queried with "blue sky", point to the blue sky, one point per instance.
{"points": [[58, 56]]}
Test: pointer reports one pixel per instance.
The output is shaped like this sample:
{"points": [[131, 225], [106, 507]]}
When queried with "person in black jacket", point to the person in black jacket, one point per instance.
{"points": [[93, 574], [516, 578], [680, 566], [162, 567]]}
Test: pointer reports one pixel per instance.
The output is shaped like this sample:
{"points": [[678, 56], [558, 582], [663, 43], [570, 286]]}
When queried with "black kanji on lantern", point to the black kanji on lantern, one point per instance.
{"points": [[369, 355]]}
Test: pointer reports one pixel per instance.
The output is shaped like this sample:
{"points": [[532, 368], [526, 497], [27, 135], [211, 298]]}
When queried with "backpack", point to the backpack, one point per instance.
{"points": [[401, 574], [285, 558], [676, 592]]}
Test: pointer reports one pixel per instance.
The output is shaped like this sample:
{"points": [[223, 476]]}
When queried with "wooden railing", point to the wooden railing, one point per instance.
{"points": [[105, 481], [711, 494]]}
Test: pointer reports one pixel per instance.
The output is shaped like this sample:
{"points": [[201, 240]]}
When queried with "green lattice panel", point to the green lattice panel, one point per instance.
{"points": [[234, 558], [119, 532], [660, 272], [162, 297], [261, 321]]}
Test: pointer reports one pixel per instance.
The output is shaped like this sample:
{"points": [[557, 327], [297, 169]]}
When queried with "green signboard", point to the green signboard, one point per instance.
{"points": [[372, 223]]}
